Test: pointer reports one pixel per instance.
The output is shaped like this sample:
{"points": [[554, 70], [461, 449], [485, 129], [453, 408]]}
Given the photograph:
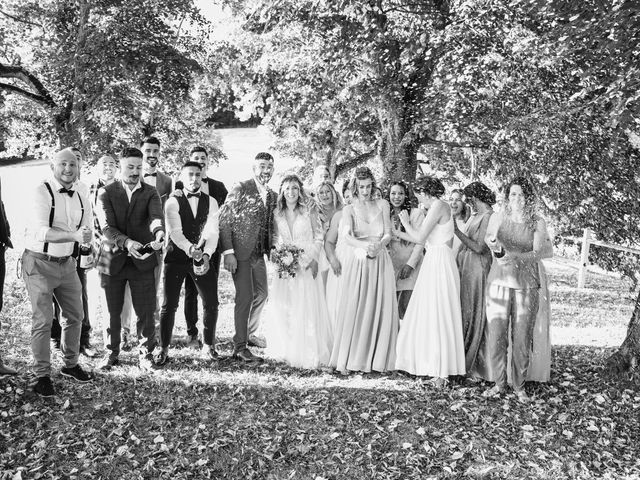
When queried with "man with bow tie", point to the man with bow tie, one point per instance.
{"points": [[59, 218], [150, 148], [192, 226]]}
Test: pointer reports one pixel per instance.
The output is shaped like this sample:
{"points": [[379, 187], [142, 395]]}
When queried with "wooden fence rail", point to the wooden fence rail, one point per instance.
{"points": [[586, 241]]}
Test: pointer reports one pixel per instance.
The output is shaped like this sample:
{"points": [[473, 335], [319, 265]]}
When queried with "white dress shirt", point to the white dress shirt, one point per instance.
{"points": [[67, 217], [129, 191], [173, 222]]}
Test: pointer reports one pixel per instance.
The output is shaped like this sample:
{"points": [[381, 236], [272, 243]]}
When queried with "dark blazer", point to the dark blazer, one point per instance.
{"points": [[163, 185], [246, 224], [120, 220], [5, 230], [217, 190]]}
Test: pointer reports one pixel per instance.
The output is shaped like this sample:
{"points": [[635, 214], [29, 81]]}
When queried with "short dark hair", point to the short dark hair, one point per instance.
{"points": [[152, 140], [131, 152], [264, 156], [430, 185], [198, 149], [189, 163]]}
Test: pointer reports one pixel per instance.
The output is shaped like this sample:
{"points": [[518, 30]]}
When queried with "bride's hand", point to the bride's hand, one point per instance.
{"points": [[313, 265]]}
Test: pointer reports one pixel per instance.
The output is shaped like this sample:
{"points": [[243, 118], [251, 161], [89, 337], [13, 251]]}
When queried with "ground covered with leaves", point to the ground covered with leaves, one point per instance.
{"points": [[195, 420]]}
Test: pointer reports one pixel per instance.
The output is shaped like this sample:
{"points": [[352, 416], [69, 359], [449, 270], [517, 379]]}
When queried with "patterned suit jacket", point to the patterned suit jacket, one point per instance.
{"points": [[246, 223], [120, 220]]}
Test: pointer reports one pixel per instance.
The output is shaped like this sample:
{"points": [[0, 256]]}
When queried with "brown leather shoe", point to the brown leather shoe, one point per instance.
{"points": [[246, 356]]}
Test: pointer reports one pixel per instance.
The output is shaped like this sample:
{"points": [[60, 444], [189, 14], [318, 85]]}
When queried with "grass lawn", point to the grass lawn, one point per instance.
{"points": [[273, 422]]}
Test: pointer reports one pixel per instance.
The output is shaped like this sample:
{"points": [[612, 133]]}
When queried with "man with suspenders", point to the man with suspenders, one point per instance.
{"points": [[59, 218]]}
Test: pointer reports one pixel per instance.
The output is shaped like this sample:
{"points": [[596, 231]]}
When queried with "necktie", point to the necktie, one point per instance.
{"points": [[150, 174], [189, 195], [67, 191]]}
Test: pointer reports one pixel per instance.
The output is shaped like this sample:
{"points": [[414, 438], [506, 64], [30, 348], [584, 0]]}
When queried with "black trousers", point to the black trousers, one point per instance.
{"points": [[56, 329], [3, 270], [206, 286], [191, 296], [143, 297]]}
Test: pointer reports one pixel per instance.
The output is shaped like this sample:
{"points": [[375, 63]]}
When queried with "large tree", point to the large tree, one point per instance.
{"points": [[97, 72]]}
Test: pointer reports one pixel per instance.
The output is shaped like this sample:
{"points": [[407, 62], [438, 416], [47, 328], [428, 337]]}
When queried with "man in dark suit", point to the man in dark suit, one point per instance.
{"points": [[192, 226], [129, 212], [150, 148], [246, 227], [218, 191], [5, 242]]}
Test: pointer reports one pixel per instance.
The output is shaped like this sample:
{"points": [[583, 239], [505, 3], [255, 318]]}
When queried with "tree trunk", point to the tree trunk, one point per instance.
{"points": [[398, 149], [626, 358]]}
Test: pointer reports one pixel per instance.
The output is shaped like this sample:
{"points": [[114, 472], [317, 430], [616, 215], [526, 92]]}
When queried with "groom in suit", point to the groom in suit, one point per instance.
{"points": [[129, 212], [246, 227]]}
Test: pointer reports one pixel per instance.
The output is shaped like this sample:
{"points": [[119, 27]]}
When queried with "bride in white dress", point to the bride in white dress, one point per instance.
{"points": [[430, 341], [298, 329]]}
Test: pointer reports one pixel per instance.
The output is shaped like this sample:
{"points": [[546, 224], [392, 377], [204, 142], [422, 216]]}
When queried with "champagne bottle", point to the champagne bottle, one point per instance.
{"points": [[198, 260], [86, 256]]}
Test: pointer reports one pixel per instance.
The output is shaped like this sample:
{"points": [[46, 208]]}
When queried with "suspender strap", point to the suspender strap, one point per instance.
{"points": [[45, 248], [51, 213]]}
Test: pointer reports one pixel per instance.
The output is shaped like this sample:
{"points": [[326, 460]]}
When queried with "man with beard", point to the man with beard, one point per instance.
{"points": [[59, 218], [129, 212], [192, 226], [218, 191], [246, 228], [150, 148]]}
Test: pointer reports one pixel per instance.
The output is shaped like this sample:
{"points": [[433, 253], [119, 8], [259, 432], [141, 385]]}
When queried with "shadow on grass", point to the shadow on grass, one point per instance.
{"points": [[192, 420]]}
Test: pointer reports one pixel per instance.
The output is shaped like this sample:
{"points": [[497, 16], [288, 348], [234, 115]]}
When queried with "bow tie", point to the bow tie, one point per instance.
{"points": [[150, 174], [67, 191], [189, 195]]}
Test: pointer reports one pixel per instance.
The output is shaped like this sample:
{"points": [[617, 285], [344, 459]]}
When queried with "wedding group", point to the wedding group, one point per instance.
{"points": [[383, 285], [364, 280]]}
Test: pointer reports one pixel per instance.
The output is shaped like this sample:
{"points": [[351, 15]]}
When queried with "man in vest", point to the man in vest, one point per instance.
{"points": [[59, 218], [218, 191], [191, 220]]}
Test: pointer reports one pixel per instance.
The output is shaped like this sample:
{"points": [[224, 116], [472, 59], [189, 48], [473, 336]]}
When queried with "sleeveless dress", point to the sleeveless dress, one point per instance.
{"points": [[405, 253], [298, 329], [430, 341], [474, 268], [367, 312], [334, 282]]}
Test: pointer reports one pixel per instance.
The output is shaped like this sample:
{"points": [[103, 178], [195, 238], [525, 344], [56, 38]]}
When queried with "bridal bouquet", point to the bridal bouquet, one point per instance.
{"points": [[286, 258]]}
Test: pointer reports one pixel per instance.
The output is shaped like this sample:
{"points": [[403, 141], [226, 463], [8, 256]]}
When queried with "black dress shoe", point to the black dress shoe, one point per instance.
{"points": [[247, 357], [162, 358], [211, 353], [44, 387], [255, 341], [108, 362]]}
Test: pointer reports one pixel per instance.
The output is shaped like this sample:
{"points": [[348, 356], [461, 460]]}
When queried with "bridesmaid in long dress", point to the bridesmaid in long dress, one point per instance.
{"points": [[405, 256], [430, 340], [299, 327], [367, 312], [474, 261], [461, 214], [329, 203], [518, 239]]}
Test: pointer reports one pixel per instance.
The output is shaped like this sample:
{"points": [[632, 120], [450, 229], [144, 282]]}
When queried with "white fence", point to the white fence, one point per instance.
{"points": [[586, 242]]}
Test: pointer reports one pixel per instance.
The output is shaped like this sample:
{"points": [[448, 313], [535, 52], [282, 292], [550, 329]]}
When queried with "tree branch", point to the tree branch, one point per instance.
{"points": [[353, 162], [21, 20], [428, 139], [20, 73], [26, 93]]}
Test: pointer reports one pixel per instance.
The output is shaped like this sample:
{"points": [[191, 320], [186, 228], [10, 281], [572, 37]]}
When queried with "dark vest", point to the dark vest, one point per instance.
{"points": [[191, 227]]}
